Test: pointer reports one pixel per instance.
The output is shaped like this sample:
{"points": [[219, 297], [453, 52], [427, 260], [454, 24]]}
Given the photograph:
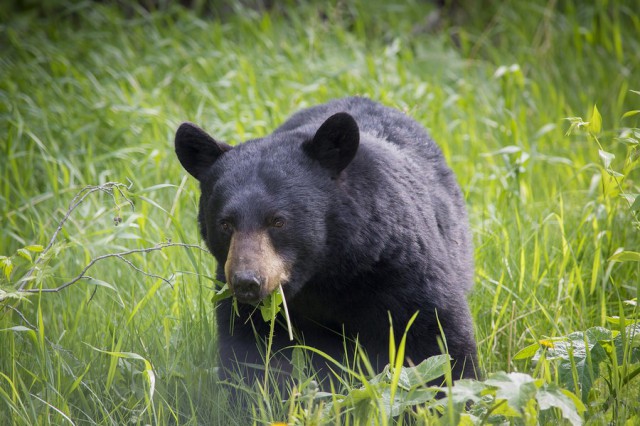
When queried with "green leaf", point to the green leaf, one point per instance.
{"points": [[516, 388], [428, 370], [617, 321], [635, 206], [298, 362], [19, 295], [418, 396], [606, 158], [629, 141], [596, 334], [360, 398], [402, 399], [17, 328], [392, 401], [631, 113], [223, 293], [595, 124], [551, 396], [36, 248], [581, 353], [631, 339], [101, 283], [24, 253], [466, 390], [270, 306], [7, 267], [625, 256], [576, 122], [217, 283], [527, 352]]}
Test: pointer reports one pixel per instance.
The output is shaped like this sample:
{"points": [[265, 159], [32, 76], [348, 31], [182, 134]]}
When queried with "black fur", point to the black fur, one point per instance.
{"points": [[375, 224]]}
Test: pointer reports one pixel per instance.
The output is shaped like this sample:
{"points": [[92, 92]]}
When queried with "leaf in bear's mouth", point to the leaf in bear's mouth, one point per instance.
{"points": [[222, 293], [269, 306], [274, 303]]}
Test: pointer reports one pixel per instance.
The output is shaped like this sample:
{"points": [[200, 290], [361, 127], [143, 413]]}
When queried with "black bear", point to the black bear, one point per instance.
{"points": [[351, 208]]}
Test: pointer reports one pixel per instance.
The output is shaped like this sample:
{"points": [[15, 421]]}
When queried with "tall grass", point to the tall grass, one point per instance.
{"points": [[92, 94]]}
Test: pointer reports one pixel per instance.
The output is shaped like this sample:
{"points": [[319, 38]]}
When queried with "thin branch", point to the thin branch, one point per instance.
{"points": [[25, 320], [35, 328], [108, 187], [120, 256], [130, 263]]}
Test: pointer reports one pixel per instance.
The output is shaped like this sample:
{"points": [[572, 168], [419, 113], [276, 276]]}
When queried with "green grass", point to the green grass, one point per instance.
{"points": [[91, 95]]}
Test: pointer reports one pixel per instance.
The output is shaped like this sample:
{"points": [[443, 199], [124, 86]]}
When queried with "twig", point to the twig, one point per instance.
{"points": [[108, 187], [35, 328], [130, 263], [120, 256], [26, 321]]}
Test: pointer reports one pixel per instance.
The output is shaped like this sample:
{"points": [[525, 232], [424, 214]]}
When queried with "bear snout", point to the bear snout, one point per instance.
{"points": [[254, 268], [246, 286]]}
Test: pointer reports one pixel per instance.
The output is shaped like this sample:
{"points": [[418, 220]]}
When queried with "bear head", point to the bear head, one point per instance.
{"points": [[265, 204]]}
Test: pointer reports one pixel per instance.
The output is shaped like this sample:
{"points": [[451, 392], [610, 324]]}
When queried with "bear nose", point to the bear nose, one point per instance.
{"points": [[246, 286]]}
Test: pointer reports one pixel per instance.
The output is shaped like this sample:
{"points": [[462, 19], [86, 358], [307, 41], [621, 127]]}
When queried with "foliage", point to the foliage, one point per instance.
{"points": [[580, 358]]}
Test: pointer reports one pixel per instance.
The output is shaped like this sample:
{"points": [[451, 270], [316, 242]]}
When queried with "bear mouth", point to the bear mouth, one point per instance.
{"points": [[250, 290], [248, 298]]}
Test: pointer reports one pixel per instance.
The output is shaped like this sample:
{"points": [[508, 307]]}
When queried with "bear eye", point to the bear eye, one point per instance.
{"points": [[225, 225], [278, 222]]}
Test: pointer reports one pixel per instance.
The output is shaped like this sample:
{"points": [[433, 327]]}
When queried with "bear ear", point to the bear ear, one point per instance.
{"points": [[335, 143], [196, 150]]}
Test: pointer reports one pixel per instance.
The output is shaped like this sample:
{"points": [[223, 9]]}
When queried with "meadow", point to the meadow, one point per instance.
{"points": [[106, 312]]}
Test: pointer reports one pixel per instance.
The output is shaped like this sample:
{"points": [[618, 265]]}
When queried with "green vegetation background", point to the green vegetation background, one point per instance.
{"points": [[91, 93]]}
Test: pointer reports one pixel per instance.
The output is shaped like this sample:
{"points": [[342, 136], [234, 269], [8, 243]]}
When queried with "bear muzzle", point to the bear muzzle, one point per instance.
{"points": [[253, 268]]}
